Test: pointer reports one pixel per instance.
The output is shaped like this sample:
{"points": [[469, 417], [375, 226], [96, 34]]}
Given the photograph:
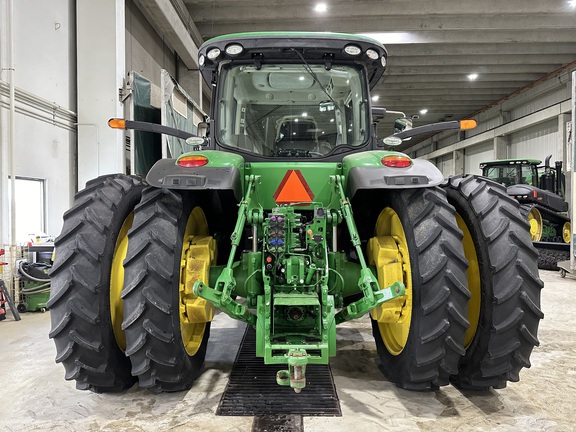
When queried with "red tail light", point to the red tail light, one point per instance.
{"points": [[192, 161], [396, 161]]}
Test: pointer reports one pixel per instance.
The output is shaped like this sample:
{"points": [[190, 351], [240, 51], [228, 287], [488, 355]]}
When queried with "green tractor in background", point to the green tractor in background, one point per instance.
{"points": [[289, 215], [540, 190]]}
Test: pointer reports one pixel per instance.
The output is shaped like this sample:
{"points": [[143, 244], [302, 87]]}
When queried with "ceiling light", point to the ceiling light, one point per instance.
{"points": [[472, 76], [572, 3], [423, 111], [321, 7], [395, 37], [375, 98]]}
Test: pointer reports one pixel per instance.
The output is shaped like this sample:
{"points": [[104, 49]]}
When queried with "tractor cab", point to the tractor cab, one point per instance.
{"points": [[307, 100], [510, 172]]}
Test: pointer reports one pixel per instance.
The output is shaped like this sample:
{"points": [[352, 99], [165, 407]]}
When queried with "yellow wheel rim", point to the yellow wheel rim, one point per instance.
{"points": [[535, 221], [198, 254], [117, 282], [566, 232], [474, 282], [388, 250]]}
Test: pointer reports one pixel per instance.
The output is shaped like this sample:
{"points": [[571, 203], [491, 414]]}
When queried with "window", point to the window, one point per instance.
{"points": [[292, 109], [30, 208]]}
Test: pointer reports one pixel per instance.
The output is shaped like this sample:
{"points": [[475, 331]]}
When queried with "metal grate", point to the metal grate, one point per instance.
{"points": [[252, 389]]}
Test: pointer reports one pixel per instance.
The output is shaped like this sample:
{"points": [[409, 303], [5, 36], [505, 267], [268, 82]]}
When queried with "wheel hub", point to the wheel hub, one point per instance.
{"points": [[117, 282], [198, 254], [388, 251]]}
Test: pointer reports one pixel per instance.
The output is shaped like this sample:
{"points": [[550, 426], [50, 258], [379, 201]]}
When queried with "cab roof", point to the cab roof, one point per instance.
{"points": [[282, 46]]}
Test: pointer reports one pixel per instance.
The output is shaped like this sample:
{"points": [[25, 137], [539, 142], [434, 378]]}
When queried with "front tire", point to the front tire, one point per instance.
{"points": [[422, 350], [166, 346], [503, 278], [86, 282]]}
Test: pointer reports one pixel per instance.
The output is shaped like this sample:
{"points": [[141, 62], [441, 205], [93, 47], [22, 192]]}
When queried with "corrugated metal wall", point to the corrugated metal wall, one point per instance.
{"points": [[474, 155], [446, 165], [543, 101], [536, 142]]}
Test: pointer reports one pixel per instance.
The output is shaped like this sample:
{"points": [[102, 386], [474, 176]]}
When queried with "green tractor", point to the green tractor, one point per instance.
{"points": [[289, 215], [540, 191]]}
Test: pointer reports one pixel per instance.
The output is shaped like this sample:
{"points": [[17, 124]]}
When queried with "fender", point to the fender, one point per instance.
{"points": [[366, 171], [223, 171]]}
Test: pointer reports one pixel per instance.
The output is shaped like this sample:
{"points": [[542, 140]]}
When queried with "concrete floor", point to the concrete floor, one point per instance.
{"points": [[35, 397]]}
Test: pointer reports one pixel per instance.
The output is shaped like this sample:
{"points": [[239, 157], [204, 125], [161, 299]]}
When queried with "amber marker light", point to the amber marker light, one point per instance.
{"points": [[467, 124], [396, 161], [116, 123], [192, 161]]}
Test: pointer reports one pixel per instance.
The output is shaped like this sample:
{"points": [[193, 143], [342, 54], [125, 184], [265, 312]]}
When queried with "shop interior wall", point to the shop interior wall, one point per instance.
{"points": [[44, 64]]}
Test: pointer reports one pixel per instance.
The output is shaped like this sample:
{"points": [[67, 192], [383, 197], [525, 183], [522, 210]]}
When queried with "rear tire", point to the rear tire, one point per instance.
{"points": [[430, 354], [503, 276], [548, 258], [82, 323], [152, 321]]}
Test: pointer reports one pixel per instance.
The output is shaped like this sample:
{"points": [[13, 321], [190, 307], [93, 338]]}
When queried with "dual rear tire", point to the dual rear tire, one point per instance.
{"points": [[109, 335], [473, 287]]}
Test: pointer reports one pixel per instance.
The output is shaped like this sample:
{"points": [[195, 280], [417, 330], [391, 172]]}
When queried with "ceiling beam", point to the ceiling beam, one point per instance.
{"points": [[475, 48], [523, 77], [482, 70], [392, 91], [168, 22], [495, 58], [425, 9]]}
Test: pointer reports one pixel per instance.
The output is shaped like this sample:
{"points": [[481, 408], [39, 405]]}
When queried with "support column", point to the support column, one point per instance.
{"points": [[100, 70], [458, 161], [500, 147], [573, 177], [4, 120], [191, 81], [561, 147]]}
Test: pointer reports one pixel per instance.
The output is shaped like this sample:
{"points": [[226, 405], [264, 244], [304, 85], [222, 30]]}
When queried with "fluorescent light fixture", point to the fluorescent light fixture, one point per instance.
{"points": [[321, 7], [394, 37], [472, 76], [423, 111], [304, 114], [375, 98]]}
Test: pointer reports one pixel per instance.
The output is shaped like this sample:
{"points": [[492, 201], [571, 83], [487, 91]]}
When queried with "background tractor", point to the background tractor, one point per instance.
{"points": [[289, 215], [540, 190]]}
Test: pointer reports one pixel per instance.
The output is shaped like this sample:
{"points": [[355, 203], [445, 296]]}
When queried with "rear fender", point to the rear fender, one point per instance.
{"points": [[224, 171], [366, 171]]}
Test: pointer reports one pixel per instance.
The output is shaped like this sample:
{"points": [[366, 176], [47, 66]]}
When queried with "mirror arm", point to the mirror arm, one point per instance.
{"points": [[149, 127]]}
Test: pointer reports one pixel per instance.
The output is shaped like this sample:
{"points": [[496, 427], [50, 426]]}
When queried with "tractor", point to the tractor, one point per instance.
{"points": [[540, 192], [288, 214]]}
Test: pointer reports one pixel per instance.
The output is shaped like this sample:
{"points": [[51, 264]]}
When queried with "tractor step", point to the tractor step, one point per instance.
{"points": [[252, 389]]}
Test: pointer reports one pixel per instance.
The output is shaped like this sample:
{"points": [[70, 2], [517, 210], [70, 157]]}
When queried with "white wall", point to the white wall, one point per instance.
{"points": [[473, 156], [45, 58], [44, 42], [536, 142]]}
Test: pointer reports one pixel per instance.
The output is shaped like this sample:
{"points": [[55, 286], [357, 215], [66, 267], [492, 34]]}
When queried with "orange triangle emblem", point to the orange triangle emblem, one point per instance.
{"points": [[293, 189]]}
